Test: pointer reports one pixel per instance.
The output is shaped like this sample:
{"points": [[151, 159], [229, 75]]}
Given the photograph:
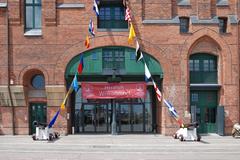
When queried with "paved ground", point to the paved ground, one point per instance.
{"points": [[107, 147]]}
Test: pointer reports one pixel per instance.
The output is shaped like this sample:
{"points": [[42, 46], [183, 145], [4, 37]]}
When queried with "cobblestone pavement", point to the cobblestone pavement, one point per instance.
{"points": [[108, 147]]}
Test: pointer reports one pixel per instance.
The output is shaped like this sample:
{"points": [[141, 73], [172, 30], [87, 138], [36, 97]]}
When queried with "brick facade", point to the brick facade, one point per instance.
{"points": [[63, 34]]}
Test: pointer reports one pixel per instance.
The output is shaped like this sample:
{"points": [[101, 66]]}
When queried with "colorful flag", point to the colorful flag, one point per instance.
{"points": [[75, 83], [53, 119], [171, 109], [131, 34], [147, 73], [158, 93], [91, 28], [139, 54], [128, 15], [65, 99], [87, 42], [80, 65], [95, 7]]}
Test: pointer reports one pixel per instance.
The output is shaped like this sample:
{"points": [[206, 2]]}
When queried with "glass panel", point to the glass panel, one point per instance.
{"points": [[205, 65], [29, 1], [125, 120], [101, 117], [89, 118], [196, 65], [38, 82], [137, 119], [38, 1], [38, 17], [29, 17], [194, 97], [184, 25], [191, 65], [117, 14], [212, 66], [148, 117]]}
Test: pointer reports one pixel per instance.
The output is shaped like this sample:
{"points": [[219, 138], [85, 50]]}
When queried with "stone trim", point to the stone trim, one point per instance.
{"points": [[174, 20], [196, 20], [3, 5], [70, 5], [55, 94], [184, 3], [18, 96], [222, 3], [33, 32]]}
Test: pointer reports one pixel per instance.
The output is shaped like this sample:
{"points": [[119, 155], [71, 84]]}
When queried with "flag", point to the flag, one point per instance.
{"points": [[75, 83], [171, 109], [95, 7], [159, 95], [147, 73], [53, 119], [127, 15], [91, 28], [80, 65], [87, 42], [65, 99], [139, 55], [131, 34]]}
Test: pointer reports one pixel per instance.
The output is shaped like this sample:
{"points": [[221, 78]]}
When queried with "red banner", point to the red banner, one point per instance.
{"points": [[113, 90]]}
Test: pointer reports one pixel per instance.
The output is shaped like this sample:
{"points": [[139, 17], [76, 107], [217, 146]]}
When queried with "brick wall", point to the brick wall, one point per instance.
{"points": [[64, 31]]}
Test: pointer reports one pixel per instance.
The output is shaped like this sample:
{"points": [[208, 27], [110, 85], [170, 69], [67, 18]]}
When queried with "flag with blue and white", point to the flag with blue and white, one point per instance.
{"points": [[91, 28], [171, 108], [75, 83], [147, 74], [95, 7]]}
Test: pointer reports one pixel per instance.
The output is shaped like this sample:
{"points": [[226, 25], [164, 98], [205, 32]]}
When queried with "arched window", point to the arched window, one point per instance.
{"points": [[203, 68], [38, 82]]}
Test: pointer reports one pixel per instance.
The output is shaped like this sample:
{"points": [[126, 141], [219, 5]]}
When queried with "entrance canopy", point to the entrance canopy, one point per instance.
{"points": [[106, 60], [113, 90]]}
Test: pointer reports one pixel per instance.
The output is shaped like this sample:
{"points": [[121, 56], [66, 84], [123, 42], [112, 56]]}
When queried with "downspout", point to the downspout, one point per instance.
{"points": [[9, 71]]}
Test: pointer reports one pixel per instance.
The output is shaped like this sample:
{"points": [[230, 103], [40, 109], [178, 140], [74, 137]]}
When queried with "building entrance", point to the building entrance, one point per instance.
{"points": [[131, 117]]}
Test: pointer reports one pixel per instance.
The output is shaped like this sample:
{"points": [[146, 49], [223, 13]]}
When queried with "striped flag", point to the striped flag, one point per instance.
{"points": [[138, 53], [159, 94], [171, 109], [128, 15], [95, 7], [91, 28], [147, 73]]}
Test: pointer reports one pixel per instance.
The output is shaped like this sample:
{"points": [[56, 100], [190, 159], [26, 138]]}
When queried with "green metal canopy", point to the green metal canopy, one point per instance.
{"points": [[93, 63]]}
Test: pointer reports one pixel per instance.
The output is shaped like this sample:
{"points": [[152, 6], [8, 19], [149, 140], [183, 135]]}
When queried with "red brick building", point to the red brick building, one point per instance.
{"points": [[191, 47]]}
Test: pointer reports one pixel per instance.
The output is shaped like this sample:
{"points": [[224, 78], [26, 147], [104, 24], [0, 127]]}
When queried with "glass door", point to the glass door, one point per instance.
{"points": [[95, 117], [124, 117], [138, 118]]}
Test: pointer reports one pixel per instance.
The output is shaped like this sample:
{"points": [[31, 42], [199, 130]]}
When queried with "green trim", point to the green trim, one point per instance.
{"points": [[93, 64]]}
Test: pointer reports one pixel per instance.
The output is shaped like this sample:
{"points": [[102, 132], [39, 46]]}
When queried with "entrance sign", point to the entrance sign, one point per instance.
{"points": [[113, 90]]}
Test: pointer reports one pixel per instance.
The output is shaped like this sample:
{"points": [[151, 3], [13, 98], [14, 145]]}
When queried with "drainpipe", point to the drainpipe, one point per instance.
{"points": [[9, 71]]}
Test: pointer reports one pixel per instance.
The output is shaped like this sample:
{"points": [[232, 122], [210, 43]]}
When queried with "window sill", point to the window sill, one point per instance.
{"points": [[33, 32], [184, 3], [70, 5], [222, 3], [112, 30], [3, 5]]}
